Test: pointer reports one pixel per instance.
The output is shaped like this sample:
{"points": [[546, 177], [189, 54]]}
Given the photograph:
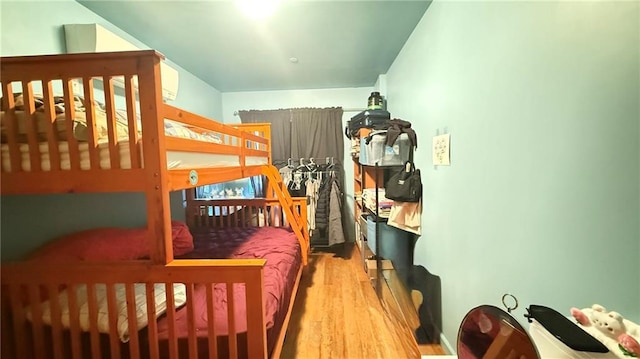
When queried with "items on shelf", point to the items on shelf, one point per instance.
{"points": [[373, 119], [375, 101], [384, 204], [406, 216], [374, 149], [354, 150], [378, 143], [376, 138]]}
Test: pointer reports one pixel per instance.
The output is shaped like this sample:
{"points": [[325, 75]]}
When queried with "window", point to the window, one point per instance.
{"points": [[243, 188]]}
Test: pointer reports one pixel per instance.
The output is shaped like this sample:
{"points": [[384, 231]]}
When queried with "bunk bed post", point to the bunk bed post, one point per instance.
{"points": [[269, 190], [256, 332], [267, 134], [155, 167]]}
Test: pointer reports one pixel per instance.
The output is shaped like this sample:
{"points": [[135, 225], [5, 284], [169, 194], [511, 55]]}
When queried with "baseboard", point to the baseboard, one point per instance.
{"points": [[446, 346]]}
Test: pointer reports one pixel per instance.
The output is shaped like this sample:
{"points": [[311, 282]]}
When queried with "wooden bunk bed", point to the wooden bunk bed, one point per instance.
{"points": [[66, 143]]}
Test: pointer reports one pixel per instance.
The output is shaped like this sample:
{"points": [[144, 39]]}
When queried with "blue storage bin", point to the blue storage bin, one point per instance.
{"points": [[395, 244], [377, 151]]}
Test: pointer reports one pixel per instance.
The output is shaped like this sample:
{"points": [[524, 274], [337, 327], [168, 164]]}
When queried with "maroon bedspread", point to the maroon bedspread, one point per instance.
{"points": [[281, 250], [278, 246]]}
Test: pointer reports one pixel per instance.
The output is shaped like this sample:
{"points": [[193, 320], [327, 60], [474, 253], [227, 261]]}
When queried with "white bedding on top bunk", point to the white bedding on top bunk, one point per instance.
{"points": [[175, 159]]}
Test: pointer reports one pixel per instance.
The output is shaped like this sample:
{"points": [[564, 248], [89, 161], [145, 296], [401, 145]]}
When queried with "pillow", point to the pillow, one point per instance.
{"points": [[177, 129], [182, 238], [110, 244], [180, 299], [99, 244]]}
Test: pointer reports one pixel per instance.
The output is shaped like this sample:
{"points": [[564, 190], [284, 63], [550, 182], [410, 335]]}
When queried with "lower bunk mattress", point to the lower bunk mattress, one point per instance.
{"points": [[278, 246], [281, 249]]}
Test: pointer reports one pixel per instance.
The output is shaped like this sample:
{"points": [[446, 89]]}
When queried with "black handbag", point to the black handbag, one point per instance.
{"points": [[565, 330], [405, 186]]}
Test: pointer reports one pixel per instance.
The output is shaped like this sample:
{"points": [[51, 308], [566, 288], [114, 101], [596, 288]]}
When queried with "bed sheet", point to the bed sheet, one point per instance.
{"points": [[278, 246]]}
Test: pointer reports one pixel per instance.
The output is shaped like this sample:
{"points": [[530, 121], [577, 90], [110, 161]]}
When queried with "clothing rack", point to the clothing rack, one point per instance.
{"points": [[310, 164], [317, 181]]}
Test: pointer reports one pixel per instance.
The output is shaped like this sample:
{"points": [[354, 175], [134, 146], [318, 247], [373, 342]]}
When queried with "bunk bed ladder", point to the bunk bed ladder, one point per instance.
{"points": [[298, 224]]}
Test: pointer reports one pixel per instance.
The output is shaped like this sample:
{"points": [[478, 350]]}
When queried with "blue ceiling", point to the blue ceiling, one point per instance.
{"points": [[338, 44]]}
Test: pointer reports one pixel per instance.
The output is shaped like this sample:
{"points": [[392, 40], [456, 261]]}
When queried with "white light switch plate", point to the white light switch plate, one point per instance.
{"points": [[441, 150]]}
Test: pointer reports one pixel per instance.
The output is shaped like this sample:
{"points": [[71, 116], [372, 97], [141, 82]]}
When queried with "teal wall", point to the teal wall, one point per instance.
{"points": [[542, 196], [35, 28], [542, 199]]}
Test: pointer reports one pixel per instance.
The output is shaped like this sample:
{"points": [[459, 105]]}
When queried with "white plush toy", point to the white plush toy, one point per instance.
{"points": [[620, 335]]}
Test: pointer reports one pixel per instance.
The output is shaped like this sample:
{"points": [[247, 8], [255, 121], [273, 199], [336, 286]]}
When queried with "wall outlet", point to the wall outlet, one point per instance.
{"points": [[441, 150]]}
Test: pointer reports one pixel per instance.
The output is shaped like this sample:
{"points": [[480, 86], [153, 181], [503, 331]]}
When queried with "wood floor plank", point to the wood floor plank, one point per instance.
{"points": [[337, 314]]}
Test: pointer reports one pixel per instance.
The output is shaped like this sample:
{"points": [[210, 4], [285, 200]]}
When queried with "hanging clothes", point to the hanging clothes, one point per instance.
{"points": [[297, 186], [335, 232], [320, 184], [322, 205], [285, 173], [313, 185]]}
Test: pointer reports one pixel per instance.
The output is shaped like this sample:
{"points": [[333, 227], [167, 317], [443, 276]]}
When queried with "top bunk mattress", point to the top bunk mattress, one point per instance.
{"points": [[175, 159]]}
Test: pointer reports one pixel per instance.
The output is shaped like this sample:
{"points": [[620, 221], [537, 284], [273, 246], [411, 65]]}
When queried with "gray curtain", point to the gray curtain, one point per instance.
{"points": [[317, 133], [280, 121], [310, 133], [302, 132]]}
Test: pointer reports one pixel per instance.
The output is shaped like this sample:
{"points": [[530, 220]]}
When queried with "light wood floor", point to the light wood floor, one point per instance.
{"points": [[338, 315]]}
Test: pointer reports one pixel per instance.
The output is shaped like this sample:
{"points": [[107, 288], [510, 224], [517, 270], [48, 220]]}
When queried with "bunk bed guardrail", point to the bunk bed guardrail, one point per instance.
{"points": [[69, 140]]}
